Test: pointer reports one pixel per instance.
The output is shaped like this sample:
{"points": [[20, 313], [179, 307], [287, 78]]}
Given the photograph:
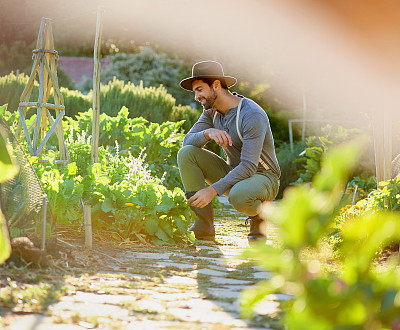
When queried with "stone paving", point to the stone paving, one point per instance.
{"points": [[193, 289]]}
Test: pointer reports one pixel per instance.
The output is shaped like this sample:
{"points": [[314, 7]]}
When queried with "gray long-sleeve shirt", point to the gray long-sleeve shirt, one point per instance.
{"points": [[244, 156]]}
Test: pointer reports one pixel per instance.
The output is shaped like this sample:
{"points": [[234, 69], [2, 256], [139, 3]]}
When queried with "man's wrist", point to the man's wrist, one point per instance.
{"points": [[206, 134], [212, 189]]}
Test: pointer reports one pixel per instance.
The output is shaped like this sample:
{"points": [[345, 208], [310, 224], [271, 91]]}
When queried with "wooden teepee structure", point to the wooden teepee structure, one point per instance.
{"points": [[45, 60]]}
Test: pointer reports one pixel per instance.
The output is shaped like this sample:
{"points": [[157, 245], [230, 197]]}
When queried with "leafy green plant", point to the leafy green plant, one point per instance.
{"points": [[125, 196], [356, 296], [317, 146], [289, 167], [385, 199], [157, 143], [8, 169], [311, 157]]}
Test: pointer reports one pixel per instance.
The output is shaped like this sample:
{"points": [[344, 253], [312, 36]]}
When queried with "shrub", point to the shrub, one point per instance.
{"points": [[151, 103], [16, 56], [149, 68], [11, 88]]}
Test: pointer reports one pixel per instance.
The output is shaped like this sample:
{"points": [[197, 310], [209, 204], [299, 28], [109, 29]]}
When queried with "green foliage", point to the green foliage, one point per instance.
{"points": [[358, 295], [151, 103], [10, 118], [317, 147], [159, 143], [150, 68], [312, 157], [386, 198], [289, 167], [5, 247], [134, 190], [64, 80], [11, 88], [160, 215], [16, 56], [8, 169]]}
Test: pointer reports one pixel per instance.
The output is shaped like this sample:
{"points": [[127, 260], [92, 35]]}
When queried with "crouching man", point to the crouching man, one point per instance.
{"points": [[250, 176]]}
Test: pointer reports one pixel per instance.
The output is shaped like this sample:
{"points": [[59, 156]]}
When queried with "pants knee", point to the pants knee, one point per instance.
{"points": [[238, 201], [186, 154], [243, 203]]}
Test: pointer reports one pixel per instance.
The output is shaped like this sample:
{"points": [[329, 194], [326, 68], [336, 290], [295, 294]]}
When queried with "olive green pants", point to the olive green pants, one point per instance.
{"points": [[199, 166]]}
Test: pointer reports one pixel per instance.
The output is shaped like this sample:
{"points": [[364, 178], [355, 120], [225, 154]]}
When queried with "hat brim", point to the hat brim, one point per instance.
{"points": [[187, 83]]}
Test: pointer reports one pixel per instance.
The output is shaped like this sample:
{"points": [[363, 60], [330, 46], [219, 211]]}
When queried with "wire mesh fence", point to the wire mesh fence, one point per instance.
{"points": [[24, 202]]}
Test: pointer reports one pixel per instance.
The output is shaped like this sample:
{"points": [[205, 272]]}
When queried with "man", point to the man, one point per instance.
{"points": [[250, 176]]}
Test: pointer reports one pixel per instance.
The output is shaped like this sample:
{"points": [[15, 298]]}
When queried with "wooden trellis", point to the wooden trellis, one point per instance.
{"points": [[45, 60]]}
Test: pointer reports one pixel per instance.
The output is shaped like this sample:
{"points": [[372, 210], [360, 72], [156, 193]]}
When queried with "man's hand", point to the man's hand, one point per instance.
{"points": [[222, 138], [203, 197]]}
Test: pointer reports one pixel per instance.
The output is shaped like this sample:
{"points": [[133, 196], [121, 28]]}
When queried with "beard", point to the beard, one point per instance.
{"points": [[209, 101]]}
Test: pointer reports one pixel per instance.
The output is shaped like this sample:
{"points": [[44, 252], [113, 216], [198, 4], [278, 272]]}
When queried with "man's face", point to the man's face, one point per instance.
{"points": [[204, 94]]}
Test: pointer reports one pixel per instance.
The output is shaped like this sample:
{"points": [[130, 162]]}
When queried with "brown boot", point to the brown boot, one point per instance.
{"points": [[203, 227], [257, 229]]}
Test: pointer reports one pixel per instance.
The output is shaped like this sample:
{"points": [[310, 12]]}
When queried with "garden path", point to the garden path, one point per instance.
{"points": [[159, 288]]}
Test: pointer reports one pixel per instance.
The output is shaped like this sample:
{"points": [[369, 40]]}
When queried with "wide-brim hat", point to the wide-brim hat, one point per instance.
{"points": [[207, 69]]}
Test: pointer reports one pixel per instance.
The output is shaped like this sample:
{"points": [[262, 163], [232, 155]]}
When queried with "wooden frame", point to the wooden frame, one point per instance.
{"points": [[45, 60]]}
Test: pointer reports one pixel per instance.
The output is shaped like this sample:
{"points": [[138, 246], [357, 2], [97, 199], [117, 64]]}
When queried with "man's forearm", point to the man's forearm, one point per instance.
{"points": [[195, 139]]}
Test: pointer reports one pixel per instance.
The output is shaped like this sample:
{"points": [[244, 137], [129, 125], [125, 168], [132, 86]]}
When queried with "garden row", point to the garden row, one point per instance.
{"points": [[135, 188]]}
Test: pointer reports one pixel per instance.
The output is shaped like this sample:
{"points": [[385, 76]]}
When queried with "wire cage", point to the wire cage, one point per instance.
{"points": [[24, 202]]}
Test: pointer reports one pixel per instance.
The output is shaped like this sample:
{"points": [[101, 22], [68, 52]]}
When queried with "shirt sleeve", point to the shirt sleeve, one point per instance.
{"points": [[195, 136], [254, 127]]}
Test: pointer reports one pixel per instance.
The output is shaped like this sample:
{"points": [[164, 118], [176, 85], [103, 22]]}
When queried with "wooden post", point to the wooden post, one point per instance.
{"points": [[87, 216], [87, 208], [387, 143], [378, 147], [303, 129], [96, 87], [382, 131]]}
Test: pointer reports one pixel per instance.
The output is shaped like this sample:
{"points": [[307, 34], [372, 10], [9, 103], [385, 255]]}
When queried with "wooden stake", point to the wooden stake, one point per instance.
{"points": [[96, 87], [87, 216], [382, 130], [378, 147], [87, 209], [387, 144]]}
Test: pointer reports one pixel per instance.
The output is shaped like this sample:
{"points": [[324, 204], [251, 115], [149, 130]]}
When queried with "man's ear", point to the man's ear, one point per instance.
{"points": [[216, 84]]}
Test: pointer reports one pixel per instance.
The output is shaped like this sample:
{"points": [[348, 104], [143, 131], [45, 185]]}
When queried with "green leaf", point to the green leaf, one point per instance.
{"points": [[151, 224], [162, 235], [167, 228], [107, 205], [8, 168], [5, 248], [180, 223]]}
